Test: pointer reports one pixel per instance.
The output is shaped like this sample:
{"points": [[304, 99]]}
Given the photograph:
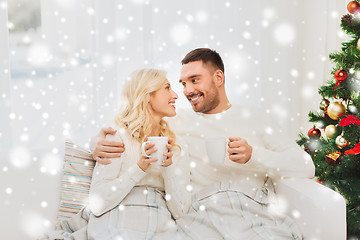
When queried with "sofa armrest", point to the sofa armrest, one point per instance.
{"points": [[319, 211]]}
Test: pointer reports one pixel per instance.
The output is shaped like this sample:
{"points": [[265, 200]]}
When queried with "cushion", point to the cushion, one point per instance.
{"points": [[76, 180]]}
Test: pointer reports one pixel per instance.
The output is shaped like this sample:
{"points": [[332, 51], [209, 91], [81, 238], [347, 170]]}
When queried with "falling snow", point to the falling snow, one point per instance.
{"points": [[284, 33], [62, 79]]}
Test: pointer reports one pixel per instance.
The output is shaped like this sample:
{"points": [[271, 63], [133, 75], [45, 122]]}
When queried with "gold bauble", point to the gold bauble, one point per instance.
{"points": [[335, 109], [358, 44], [330, 131]]}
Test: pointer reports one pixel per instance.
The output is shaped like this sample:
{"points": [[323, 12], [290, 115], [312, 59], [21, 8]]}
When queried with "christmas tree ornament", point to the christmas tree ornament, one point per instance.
{"points": [[340, 75], [341, 141], [321, 124], [324, 104], [354, 151], [333, 159], [348, 120], [312, 145], [330, 131], [314, 132], [353, 6], [358, 44], [319, 181], [335, 109], [347, 18], [352, 108]]}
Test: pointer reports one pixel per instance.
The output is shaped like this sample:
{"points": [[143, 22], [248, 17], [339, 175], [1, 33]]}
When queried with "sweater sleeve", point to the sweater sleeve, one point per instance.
{"points": [[110, 183], [279, 156], [176, 179]]}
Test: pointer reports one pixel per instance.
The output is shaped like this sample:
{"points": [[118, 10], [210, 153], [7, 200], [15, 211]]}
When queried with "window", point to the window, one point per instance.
{"points": [[24, 15], [25, 48]]}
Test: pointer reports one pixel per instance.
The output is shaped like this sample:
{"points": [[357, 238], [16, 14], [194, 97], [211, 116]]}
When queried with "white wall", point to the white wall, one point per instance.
{"points": [[5, 97]]}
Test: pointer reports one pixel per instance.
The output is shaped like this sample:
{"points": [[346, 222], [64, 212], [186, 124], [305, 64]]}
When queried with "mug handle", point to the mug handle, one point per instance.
{"points": [[143, 149]]}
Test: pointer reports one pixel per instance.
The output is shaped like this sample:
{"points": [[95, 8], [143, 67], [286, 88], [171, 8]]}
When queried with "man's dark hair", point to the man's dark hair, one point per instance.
{"points": [[207, 56]]}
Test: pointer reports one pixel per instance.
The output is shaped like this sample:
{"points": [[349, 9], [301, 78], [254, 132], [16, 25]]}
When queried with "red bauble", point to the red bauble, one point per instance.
{"points": [[340, 75], [324, 104], [314, 133], [353, 6]]}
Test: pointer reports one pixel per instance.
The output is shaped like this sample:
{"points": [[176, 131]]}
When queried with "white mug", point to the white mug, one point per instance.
{"points": [[160, 144], [216, 148]]}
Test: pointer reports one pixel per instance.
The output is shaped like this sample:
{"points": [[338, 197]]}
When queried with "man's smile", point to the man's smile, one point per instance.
{"points": [[195, 98]]}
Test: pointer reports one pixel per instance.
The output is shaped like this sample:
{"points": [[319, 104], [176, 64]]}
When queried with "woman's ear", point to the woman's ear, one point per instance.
{"points": [[219, 78]]}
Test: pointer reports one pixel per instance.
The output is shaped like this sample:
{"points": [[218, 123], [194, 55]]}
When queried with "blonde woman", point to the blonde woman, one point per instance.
{"points": [[130, 198]]}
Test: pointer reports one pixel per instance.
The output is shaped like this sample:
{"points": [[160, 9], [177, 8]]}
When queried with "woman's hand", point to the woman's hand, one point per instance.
{"points": [[144, 162], [168, 161]]}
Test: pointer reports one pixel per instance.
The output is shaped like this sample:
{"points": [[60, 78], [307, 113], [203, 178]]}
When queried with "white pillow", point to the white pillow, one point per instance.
{"points": [[76, 180]]}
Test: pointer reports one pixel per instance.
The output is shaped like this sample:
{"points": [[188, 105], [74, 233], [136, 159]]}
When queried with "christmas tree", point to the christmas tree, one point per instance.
{"points": [[336, 152]]}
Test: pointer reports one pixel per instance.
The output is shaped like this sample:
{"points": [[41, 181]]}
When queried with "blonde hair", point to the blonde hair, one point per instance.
{"points": [[134, 113]]}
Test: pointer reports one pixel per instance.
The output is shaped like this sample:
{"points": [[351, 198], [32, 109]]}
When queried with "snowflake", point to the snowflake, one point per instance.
{"points": [[284, 33]]}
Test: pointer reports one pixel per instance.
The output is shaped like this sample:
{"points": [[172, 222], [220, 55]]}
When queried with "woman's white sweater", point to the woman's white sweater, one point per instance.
{"points": [[111, 183]]}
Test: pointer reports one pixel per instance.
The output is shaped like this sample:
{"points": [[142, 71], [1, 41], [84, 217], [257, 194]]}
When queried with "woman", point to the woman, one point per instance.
{"points": [[127, 196]]}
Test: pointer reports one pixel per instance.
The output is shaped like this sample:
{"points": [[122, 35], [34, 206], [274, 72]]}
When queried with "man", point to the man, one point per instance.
{"points": [[231, 200]]}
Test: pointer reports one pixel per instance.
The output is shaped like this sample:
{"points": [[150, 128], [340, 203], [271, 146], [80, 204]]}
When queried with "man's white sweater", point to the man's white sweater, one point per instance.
{"points": [[274, 154]]}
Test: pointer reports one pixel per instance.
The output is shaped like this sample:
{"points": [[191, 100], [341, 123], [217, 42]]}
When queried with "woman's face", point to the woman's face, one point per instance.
{"points": [[162, 102]]}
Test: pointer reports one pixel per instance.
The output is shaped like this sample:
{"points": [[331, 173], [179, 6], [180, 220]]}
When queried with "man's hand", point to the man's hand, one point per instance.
{"points": [[106, 149], [239, 150]]}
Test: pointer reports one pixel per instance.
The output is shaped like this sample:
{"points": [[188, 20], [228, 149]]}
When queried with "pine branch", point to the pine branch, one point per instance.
{"points": [[315, 116], [303, 140], [328, 145], [356, 101], [319, 117], [348, 59], [346, 90], [350, 44], [351, 134]]}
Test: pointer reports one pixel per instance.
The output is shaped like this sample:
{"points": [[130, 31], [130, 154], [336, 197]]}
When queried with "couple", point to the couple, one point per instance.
{"points": [[230, 201], [132, 199]]}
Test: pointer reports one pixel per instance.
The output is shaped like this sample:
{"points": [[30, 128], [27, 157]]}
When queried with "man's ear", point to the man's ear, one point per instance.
{"points": [[219, 78]]}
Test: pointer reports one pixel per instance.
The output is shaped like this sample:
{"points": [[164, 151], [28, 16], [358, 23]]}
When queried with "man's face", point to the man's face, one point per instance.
{"points": [[199, 87]]}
